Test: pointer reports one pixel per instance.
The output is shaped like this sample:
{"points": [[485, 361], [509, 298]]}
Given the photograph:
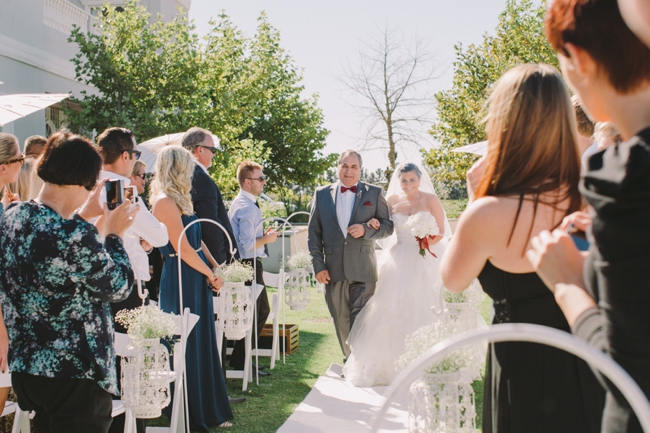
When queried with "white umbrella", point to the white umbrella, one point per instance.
{"points": [[151, 147], [479, 148], [19, 105]]}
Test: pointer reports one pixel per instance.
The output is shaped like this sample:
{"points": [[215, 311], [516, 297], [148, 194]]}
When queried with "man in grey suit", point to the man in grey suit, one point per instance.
{"points": [[342, 244]]}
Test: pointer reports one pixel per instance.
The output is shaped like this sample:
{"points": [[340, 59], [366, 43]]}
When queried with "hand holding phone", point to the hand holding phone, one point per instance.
{"points": [[579, 237], [113, 193]]}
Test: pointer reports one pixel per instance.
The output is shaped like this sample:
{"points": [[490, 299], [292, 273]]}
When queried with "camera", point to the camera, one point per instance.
{"points": [[129, 193], [113, 193]]}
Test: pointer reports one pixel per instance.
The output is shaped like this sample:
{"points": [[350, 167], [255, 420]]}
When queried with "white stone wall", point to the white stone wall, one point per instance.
{"points": [[34, 52]]}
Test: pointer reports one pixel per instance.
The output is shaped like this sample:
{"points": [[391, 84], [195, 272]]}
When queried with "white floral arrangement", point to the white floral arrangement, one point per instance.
{"points": [[235, 272], [299, 260], [426, 337], [451, 321], [423, 225], [147, 322]]}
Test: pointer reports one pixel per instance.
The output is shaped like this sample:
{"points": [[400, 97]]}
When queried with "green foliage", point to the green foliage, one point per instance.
{"points": [[158, 77], [225, 162], [519, 38]]}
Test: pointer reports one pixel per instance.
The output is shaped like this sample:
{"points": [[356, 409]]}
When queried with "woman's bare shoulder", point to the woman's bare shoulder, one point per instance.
{"points": [[162, 203], [393, 198], [487, 213]]}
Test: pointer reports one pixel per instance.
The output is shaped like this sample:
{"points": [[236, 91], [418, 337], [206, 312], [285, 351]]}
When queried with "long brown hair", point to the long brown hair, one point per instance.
{"points": [[532, 145]]}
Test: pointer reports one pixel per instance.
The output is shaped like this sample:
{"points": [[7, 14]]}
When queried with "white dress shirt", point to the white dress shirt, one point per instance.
{"points": [[246, 221], [145, 226], [344, 205]]}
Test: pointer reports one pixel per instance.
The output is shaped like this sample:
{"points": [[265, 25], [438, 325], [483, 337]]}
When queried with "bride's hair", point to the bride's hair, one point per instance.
{"points": [[407, 167], [532, 143]]}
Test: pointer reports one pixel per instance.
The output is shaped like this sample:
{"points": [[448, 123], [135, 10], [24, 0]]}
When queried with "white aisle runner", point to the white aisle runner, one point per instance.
{"points": [[335, 406]]}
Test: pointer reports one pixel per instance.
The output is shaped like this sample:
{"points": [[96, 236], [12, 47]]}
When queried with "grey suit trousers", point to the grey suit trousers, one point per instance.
{"points": [[345, 299]]}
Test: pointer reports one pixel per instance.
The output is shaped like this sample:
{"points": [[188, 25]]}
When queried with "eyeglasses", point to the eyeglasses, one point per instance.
{"points": [[262, 178], [137, 153], [20, 158], [211, 149]]}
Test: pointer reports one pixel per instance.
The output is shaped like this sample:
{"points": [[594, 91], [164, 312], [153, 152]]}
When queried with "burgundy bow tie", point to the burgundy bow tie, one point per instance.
{"points": [[353, 188]]}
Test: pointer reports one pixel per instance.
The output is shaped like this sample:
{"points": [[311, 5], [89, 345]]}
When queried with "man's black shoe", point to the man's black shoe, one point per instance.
{"points": [[261, 372], [235, 400]]}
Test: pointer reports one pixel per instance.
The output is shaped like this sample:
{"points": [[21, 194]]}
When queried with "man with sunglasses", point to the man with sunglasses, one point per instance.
{"points": [[246, 219], [206, 197], [119, 154]]}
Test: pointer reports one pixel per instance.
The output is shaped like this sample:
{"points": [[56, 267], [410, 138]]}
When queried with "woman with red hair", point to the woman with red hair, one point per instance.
{"points": [[606, 297]]}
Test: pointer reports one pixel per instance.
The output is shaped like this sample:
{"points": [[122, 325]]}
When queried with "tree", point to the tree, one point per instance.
{"points": [[394, 83], [158, 77], [290, 125], [519, 38]]}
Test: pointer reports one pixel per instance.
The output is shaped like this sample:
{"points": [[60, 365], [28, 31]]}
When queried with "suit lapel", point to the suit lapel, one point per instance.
{"points": [[333, 188], [361, 189]]}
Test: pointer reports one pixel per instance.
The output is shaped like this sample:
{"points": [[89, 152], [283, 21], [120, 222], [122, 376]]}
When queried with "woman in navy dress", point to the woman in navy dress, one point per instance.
{"points": [[172, 205]]}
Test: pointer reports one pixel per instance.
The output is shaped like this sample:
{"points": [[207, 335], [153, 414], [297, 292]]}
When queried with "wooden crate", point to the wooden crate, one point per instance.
{"points": [[290, 336]]}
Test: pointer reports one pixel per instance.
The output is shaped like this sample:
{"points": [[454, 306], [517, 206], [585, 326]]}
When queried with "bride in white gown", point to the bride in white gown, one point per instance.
{"points": [[409, 289]]}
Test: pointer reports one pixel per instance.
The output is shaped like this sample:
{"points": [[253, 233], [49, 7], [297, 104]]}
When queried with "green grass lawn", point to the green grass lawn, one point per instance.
{"points": [[271, 402], [453, 208]]}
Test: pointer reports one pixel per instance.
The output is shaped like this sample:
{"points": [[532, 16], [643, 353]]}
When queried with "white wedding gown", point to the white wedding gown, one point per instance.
{"points": [[407, 295]]}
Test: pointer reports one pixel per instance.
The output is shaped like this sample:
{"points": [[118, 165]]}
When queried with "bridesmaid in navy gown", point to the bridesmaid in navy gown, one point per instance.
{"points": [[206, 387]]}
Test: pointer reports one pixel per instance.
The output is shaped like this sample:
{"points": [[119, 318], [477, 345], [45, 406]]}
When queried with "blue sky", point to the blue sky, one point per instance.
{"points": [[323, 37]]}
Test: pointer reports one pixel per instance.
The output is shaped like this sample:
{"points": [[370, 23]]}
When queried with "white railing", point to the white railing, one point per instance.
{"points": [[524, 332], [62, 15]]}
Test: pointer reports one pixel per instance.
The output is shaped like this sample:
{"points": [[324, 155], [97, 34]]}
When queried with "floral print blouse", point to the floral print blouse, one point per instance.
{"points": [[57, 279]]}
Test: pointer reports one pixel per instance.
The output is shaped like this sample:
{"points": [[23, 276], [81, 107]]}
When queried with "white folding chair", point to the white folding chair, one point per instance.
{"points": [[274, 351], [246, 374], [177, 422], [21, 417], [121, 344]]}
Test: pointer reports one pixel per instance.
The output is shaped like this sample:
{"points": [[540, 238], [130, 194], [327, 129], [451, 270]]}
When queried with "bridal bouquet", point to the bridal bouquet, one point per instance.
{"points": [[146, 323], [423, 225]]}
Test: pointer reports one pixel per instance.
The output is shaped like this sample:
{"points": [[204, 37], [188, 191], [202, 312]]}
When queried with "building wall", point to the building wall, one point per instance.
{"points": [[34, 52]]}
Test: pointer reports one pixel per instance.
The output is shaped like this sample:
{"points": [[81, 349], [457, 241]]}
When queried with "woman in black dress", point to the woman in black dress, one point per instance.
{"points": [[609, 68], [528, 183]]}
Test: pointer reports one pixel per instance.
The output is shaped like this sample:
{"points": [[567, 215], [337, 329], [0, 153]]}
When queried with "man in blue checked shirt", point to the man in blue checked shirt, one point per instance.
{"points": [[246, 220]]}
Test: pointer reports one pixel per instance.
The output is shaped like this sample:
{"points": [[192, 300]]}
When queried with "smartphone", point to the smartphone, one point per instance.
{"points": [[113, 193], [129, 193], [579, 237]]}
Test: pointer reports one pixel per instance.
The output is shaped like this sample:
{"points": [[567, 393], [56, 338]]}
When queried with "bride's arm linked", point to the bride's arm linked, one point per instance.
{"points": [[435, 208], [385, 223], [471, 244]]}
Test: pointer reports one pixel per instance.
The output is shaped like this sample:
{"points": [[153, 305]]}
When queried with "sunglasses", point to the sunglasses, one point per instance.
{"points": [[20, 158], [262, 178], [137, 153], [142, 176], [211, 149]]}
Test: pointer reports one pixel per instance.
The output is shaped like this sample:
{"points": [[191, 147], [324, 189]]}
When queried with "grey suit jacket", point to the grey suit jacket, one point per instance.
{"points": [[347, 258]]}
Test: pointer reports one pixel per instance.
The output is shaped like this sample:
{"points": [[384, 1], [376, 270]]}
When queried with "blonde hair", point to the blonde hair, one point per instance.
{"points": [[28, 185], [606, 134], [173, 173], [532, 140], [136, 167], [8, 147]]}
